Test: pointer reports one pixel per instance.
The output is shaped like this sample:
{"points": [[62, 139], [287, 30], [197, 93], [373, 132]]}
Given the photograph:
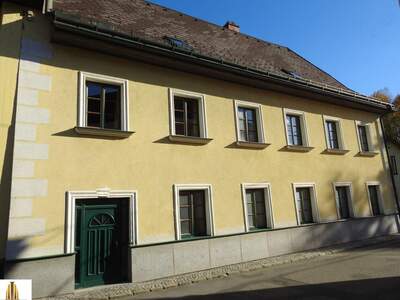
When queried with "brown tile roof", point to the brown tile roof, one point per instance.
{"points": [[152, 22]]}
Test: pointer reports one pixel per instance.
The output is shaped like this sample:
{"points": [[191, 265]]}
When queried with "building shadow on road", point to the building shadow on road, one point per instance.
{"points": [[376, 288]]}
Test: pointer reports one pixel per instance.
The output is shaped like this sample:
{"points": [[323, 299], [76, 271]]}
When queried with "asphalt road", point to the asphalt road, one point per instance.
{"points": [[365, 273]]}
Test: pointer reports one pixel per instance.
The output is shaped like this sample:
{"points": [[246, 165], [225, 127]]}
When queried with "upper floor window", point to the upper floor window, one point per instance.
{"points": [[103, 105], [296, 129], [333, 141], [249, 123], [364, 136], [334, 135], [103, 102], [362, 133], [187, 115]]}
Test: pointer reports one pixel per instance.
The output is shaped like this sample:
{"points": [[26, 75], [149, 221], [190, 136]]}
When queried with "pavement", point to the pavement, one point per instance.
{"points": [[371, 272]]}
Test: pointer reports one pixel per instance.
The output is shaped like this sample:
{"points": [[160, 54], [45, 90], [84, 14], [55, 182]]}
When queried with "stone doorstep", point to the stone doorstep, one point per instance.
{"points": [[130, 289]]}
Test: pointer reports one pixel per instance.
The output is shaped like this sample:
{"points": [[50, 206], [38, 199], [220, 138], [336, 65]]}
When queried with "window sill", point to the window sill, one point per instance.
{"points": [[296, 148], [189, 139], [256, 145], [368, 153], [336, 151], [103, 132]]}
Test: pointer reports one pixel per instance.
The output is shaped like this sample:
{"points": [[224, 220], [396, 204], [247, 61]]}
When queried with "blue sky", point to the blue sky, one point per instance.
{"points": [[356, 41]]}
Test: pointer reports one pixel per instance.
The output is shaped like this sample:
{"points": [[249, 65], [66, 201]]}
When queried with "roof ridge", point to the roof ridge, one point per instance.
{"points": [[149, 2]]}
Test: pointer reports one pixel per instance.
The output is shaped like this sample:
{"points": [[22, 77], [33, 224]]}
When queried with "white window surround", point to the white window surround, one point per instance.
{"points": [[259, 119], [303, 123], [82, 113], [202, 110], [268, 202], [339, 131], [72, 196], [380, 197], [349, 187], [208, 202], [313, 194], [369, 136]]}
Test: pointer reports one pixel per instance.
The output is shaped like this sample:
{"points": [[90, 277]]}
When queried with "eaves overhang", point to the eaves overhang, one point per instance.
{"points": [[72, 31]]}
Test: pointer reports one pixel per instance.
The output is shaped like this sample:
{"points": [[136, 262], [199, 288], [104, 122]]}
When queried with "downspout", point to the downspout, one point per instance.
{"points": [[390, 165]]}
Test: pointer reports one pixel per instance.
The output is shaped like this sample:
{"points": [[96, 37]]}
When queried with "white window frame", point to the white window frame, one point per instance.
{"points": [[314, 203], [368, 127], [208, 203], [72, 196], [380, 197], [123, 83], [349, 187], [268, 203], [259, 120], [201, 108], [303, 124], [339, 132]]}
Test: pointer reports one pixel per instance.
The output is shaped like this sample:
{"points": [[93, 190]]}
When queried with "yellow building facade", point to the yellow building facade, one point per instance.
{"points": [[61, 168]]}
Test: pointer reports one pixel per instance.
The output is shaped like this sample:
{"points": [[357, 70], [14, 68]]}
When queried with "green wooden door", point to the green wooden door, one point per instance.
{"points": [[99, 243]]}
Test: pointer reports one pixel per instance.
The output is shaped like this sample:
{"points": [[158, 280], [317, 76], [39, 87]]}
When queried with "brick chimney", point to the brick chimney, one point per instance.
{"points": [[232, 26]]}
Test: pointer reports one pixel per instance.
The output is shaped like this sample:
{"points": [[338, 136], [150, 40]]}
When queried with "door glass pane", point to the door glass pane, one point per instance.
{"points": [[342, 193]]}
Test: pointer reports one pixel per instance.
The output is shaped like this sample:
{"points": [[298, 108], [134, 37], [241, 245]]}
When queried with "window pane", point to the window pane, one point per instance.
{"points": [[112, 108], [185, 228], [179, 128], [93, 120], [362, 132], [93, 90], [179, 116], [261, 221], [184, 198], [250, 221], [94, 105], [185, 212], [253, 136]]}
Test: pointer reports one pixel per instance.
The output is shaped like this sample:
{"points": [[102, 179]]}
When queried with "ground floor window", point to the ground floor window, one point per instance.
{"points": [[193, 211], [257, 206], [374, 198], [343, 200], [305, 201]]}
